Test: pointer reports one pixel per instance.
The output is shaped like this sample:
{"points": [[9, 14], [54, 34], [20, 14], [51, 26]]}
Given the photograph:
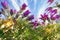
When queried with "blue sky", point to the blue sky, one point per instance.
{"points": [[36, 6]]}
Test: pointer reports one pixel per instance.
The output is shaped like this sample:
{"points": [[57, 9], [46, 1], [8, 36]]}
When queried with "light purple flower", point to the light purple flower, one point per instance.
{"points": [[4, 4]]}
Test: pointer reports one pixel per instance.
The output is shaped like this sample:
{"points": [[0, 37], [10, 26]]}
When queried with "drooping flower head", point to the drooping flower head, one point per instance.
{"points": [[4, 4], [23, 6], [26, 13]]}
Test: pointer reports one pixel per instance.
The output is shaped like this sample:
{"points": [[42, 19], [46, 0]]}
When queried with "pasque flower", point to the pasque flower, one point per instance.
{"points": [[26, 13], [55, 17], [44, 17], [35, 24], [50, 1], [53, 12], [12, 11], [4, 4], [0, 12], [31, 17], [49, 9], [23, 6]]}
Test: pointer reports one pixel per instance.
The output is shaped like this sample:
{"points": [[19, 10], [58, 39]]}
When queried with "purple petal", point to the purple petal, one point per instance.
{"points": [[23, 6], [44, 16], [53, 18], [35, 24], [50, 1], [54, 11], [31, 17], [26, 13], [4, 4], [49, 9], [57, 16], [12, 11]]}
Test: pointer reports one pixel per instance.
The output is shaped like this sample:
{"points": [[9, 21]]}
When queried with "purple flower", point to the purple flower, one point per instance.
{"points": [[55, 17], [23, 6], [44, 17], [0, 13], [52, 18], [31, 17], [49, 9], [4, 4], [35, 24], [12, 11], [50, 1], [53, 12], [26, 13]]}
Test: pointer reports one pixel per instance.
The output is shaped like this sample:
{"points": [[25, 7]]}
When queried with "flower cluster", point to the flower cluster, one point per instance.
{"points": [[20, 25], [50, 15], [11, 15]]}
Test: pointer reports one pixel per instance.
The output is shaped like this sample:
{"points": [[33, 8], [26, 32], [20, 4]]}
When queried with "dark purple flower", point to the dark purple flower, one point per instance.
{"points": [[4, 4], [49, 9], [44, 17], [0, 13], [26, 13], [50, 1], [12, 11], [23, 6], [31, 17]]}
